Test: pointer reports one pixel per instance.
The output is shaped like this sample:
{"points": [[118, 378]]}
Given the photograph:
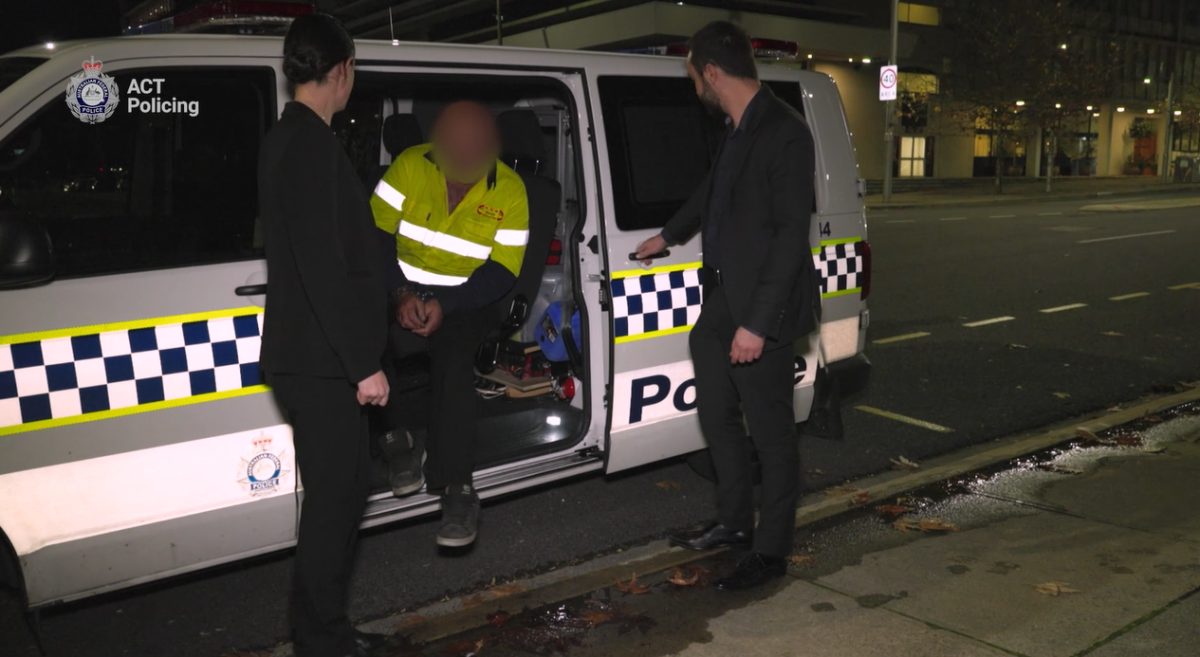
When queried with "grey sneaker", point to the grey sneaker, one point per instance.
{"points": [[406, 466], [460, 516]]}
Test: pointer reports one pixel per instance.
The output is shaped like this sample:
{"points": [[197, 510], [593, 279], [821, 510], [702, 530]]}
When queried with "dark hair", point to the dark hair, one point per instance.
{"points": [[315, 43], [726, 46]]}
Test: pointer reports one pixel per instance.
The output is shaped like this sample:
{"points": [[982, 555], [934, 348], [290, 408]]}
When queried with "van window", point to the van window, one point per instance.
{"points": [[661, 143], [168, 183], [15, 68]]}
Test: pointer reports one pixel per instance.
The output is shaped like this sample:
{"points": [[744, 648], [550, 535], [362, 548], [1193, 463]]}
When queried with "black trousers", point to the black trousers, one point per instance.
{"points": [[761, 392], [329, 429], [452, 410]]}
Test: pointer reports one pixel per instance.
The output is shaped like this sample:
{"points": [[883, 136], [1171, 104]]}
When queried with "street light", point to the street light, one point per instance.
{"points": [[1089, 108], [1120, 109], [1145, 80], [1020, 103], [1057, 105], [1150, 110]]}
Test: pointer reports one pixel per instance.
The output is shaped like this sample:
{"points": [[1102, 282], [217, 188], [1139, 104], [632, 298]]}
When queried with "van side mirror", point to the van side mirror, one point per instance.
{"points": [[26, 254]]}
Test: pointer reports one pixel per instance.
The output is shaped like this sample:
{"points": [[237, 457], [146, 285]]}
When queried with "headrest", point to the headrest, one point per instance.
{"points": [[400, 133], [521, 137]]}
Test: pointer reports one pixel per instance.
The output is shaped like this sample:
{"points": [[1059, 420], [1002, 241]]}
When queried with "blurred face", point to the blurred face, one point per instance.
{"points": [[465, 143], [704, 89]]}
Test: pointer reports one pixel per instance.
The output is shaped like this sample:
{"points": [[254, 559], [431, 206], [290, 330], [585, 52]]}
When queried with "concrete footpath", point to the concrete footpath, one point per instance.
{"points": [[1027, 190], [1091, 549]]}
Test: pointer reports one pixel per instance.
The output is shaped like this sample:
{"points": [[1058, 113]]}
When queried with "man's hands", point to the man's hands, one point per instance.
{"points": [[420, 317], [651, 246], [433, 319], [747, 347], [373, 390]]}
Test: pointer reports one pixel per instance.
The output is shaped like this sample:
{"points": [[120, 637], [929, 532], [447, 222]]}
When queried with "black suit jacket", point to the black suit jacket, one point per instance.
{"points": [[766, 259], [326, 311]]}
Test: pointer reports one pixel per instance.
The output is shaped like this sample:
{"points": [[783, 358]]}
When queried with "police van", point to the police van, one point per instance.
{"points": [[137, 439]]}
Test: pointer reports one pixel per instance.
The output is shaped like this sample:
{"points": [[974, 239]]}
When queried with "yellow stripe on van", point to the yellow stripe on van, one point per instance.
{"points": [[650, 271], [121, 326]]}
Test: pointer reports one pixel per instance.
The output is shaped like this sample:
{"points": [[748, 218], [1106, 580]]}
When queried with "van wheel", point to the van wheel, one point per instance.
{"points": [[702, 464]]}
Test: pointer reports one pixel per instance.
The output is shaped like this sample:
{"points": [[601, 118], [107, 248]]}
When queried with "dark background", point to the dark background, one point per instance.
{"points": [[27, 22]]}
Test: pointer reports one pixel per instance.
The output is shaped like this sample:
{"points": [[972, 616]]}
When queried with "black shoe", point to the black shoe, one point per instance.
{"points": [[367, 644], [753, 571], [460, 516], [406, 460], [713, 537]]}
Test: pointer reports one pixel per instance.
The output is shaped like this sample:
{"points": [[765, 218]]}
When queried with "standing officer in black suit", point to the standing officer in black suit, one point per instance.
{"points": [[761, 296], [325, 328]]}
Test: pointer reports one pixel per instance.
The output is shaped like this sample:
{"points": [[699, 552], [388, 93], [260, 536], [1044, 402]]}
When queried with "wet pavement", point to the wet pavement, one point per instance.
{"points": [[1089, 548]]}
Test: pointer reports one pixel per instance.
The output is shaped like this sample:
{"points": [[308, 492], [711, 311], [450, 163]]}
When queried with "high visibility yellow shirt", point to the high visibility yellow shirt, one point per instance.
{"points": [[439, 247]]}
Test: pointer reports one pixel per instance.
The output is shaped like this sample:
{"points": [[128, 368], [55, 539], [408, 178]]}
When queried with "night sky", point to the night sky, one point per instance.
{"points": [[26, 22]]}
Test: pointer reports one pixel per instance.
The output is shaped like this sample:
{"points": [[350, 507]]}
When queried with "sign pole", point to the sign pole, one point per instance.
{"points": [[890, 119]]}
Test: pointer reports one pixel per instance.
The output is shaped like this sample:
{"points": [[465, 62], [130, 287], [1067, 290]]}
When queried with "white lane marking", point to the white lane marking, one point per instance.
{"points": [[1129, 296], [1126, 237], [898, 338], [1059, 309], [985, 322], [1002, 216], [1185, 286], [902, 221], [904, 418], [952, 219], [1048, 214]]}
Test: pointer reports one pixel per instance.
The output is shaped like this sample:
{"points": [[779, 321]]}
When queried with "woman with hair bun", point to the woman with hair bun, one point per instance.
{"points": [[325, 327]]}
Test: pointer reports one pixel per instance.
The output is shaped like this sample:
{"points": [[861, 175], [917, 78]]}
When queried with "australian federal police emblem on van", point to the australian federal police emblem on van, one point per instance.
{"points": [[262, 468], [92, 95]]}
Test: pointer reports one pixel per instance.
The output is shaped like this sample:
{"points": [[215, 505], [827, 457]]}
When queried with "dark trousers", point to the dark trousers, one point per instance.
{"points": [[762, 392], [329, 430], [452, 411]]}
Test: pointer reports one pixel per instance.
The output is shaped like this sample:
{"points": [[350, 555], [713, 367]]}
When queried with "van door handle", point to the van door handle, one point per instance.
{"points": [[653, 256], [250, 290]]}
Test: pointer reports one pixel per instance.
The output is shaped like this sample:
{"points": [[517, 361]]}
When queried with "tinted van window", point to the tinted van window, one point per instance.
{"points": [[148, 187]]}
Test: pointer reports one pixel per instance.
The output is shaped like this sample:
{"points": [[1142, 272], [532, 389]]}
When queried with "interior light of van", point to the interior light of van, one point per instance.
{"points": [[555, 420]]}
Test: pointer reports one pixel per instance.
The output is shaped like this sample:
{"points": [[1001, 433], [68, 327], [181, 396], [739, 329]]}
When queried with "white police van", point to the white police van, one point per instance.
{"points": [[137, 440]]}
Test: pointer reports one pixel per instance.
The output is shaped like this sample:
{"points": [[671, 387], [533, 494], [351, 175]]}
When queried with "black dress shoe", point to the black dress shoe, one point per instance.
{"points": [[367, 644], [753, 571], [713, 537]]}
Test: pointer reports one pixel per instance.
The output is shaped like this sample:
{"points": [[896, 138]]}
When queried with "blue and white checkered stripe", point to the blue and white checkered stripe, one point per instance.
{"points": [[650, 304], [65, 377], [839, 266]]}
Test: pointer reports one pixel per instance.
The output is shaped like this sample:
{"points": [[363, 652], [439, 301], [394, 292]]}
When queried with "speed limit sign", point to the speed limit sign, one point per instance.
{"points": [[887, 82]]}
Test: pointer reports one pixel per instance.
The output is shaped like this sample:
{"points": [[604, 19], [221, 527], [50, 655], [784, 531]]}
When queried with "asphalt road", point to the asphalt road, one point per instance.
{"points": [[936, 273]]}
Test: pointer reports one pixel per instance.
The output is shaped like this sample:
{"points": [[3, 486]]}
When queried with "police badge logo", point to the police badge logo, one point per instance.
{"points": [[91, 95], [262, 469]]}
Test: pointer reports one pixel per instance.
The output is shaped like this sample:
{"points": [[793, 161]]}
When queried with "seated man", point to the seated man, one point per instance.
{"points": [[461, 221]]}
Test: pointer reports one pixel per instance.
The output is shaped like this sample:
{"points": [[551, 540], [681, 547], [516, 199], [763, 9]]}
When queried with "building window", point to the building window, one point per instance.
{"points": [[912, 157], [919, 14]]}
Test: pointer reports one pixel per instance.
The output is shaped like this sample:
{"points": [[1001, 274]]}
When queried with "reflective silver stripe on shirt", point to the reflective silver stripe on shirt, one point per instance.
{"points": [[418, 275], [443, 241], [390, 195], [512, 237]]}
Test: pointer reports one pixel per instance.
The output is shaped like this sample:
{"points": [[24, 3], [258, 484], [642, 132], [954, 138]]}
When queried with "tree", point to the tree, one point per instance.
{"points": [[1007, 70]]}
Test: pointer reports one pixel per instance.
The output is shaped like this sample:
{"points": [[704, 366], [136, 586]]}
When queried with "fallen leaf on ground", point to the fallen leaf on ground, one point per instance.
{"points": [[1114, 409], [893, 509], [936, 525], [860, 498], [1112, 334], [1061, 469], [1129, 440], [1087, 435], [907, 524], [802, 560], [632, 587], [844, 489], [903, 464], [499, 619], [1013, 345], [1063, 395], [507, 589], [1055, 588], [1152, 418], [474, 600], [669, 485], [679, 579], [1157, 449]]}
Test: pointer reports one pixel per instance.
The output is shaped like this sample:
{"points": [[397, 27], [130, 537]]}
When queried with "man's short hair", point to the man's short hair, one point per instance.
{"points": [[726, 46]]}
